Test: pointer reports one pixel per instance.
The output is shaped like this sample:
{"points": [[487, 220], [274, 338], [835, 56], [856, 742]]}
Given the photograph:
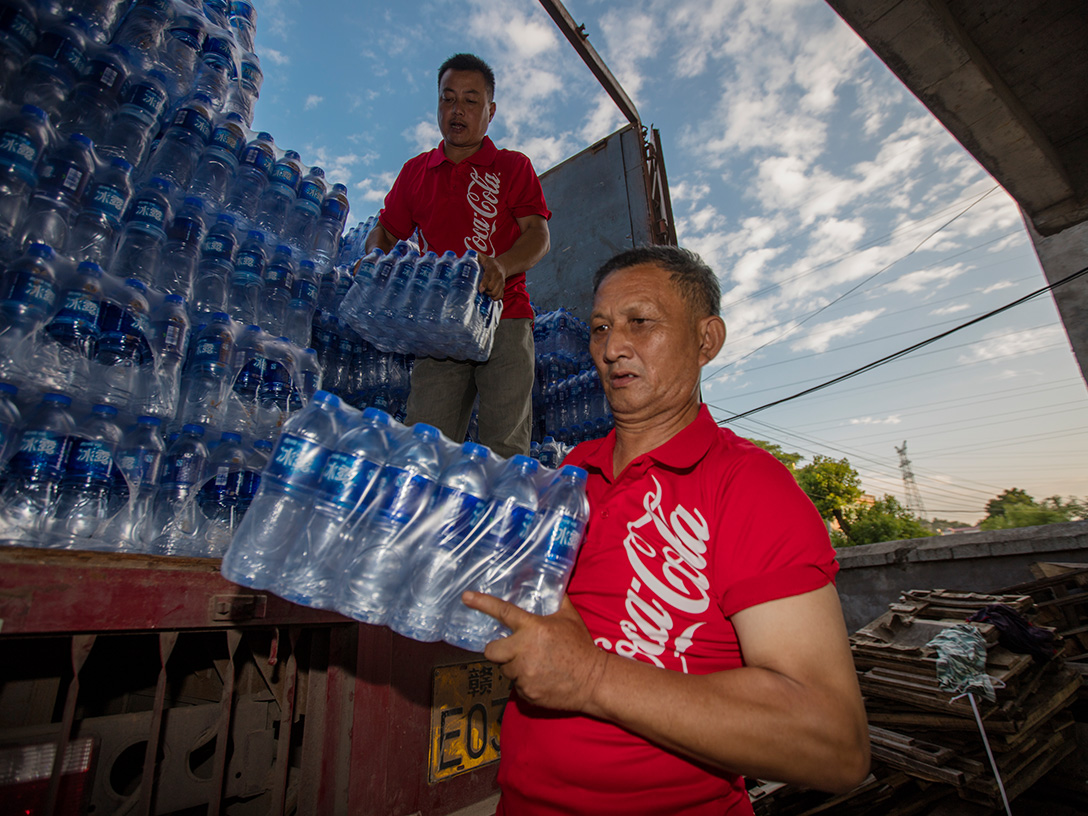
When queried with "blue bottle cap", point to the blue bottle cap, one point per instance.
{"points": [[149, 420], [265, 136], [253, 327], [59, 399], [575, 472], [122, 163], [136, 283], [230, 437], [263, 444], [36, 112], [105, 410], [9, 389], [255, 235], [38, 249], [219, 316], [226, 218], [165, 185], [372, 414], [89, 268], [80, 139], [194, 201], [175, 299], [283, 249], [476, 451], [195, 430], [524, 462], [425, 431]]}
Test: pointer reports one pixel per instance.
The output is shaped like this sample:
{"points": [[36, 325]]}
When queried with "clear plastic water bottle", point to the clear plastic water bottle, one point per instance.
{"points": [[279, 278], [243, 20], [139, 464], [23, 138], [217, 66], [144, 232], [94, 232], [459, 505], [314, 565], [217, 12], [245, 90], [218, 496], [277, 379], [217, 165], [124, 346], [174, 520], [283, 504], [429, 312], [182, 142], [211, 289], [330, 223], [298, 319], [35, 470], [84, 505], [62, 179], [58, 62], [488, 567], [181, 252], [557, 534], [142, 29], [28, 295], [256, 461], [170, 332], [18, 36], [74, 327], [463, 291], [387, 316], [10, 420], [280, 194], [304, 212], [247, 281], [206, 378], [249, 363], [254, 168], [181, 50], [96, 97], [129, 134], [310, 375], [385, 537]]}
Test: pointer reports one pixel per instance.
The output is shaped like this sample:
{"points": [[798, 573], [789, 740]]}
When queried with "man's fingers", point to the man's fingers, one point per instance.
{"points": [[505, 613]]}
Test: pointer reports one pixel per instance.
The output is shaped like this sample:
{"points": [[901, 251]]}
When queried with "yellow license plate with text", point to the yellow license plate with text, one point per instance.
{"points": [[467, 703]]}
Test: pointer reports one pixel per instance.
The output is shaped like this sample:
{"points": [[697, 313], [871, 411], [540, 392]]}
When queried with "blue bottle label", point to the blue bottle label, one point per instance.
{"points": [[17, 149], [251, 73], [296, 462], [346, 478], [461, 511], [276, 381], [148, 98], [247, 489], [258, 158], [172, 338], [311, 191], [562, 542], [218, 246], [229, 139], [108, 200], [32, 290], [277, 276], [509, 530], [286, 174], [209, 350], [334, 208], [140, 466], [189, 36], [401, 494], [78, 307], [305, 291], [249, 378], [89, 460], [195, 121], [183, 469], [19, 26], [63, 177], [222, 488], [148, 211], [249, 261], [40, 456], [65, 51]]}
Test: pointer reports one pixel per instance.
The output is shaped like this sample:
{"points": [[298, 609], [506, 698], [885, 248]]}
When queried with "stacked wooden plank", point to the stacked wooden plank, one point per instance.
{"points": [[928, 755]]}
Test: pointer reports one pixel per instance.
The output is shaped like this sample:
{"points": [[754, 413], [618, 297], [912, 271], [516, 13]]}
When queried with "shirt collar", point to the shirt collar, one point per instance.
{"points": [[483, 157], [681, 452]]}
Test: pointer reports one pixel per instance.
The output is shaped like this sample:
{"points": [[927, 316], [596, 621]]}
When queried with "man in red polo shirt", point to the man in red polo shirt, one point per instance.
{"points": [[701, 638], [467, 194]]}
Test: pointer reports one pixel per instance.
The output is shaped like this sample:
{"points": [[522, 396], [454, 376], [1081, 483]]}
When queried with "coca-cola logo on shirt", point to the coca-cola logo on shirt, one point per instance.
{"points": [[666, 550], [483, 198]]}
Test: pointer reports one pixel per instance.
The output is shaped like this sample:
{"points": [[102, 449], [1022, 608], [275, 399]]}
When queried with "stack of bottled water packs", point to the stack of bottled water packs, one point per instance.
{"points": [[424, 305], [389, 525], [169, 278]]}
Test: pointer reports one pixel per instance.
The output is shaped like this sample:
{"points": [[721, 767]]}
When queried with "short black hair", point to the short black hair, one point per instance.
{"points": [[695, 281], [469, 62]]}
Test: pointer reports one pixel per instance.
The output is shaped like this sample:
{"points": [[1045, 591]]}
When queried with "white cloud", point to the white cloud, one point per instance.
{"points": [[373, 188], [892, 419], [926, 280], [424, 135], [275, 57], [819, 337], [954, 308], [997, 287], [997, 345], [312, 101]]}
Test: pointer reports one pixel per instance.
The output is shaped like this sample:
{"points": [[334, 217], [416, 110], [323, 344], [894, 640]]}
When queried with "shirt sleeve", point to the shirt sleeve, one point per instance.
{"points": [[396, 215], [527, 197], [772, 542]]}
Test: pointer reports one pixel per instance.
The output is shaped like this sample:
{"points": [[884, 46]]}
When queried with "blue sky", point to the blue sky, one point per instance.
{"points": [[845, 224]]}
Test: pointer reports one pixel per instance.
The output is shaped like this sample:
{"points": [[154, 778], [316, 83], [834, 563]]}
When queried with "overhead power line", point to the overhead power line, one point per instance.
{"points": [[903, 352]]}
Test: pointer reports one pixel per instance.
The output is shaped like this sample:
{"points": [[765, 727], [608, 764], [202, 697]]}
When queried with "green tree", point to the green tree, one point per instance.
{"points": [[884, 520], [1020, 513], [999, 506], [938, 524], [833, 485], [790, 460]]}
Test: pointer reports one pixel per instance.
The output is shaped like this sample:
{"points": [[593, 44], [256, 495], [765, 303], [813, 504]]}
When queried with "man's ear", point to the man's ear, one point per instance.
{"points": [[711, 338], [492, 114]]}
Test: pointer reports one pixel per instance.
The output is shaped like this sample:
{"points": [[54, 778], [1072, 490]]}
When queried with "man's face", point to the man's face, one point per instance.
{"points": [[464, 108], [646, 344]]}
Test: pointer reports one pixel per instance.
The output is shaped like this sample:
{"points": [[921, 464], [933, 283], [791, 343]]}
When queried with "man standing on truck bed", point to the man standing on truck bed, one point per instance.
{"points": [[701, 638], [467, 194]]}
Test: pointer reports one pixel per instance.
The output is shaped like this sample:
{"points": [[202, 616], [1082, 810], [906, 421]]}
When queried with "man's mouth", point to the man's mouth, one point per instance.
{"points": [[621, 378]]}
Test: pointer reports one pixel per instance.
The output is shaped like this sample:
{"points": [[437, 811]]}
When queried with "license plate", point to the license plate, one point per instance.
{"points": [[466, 715]]}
